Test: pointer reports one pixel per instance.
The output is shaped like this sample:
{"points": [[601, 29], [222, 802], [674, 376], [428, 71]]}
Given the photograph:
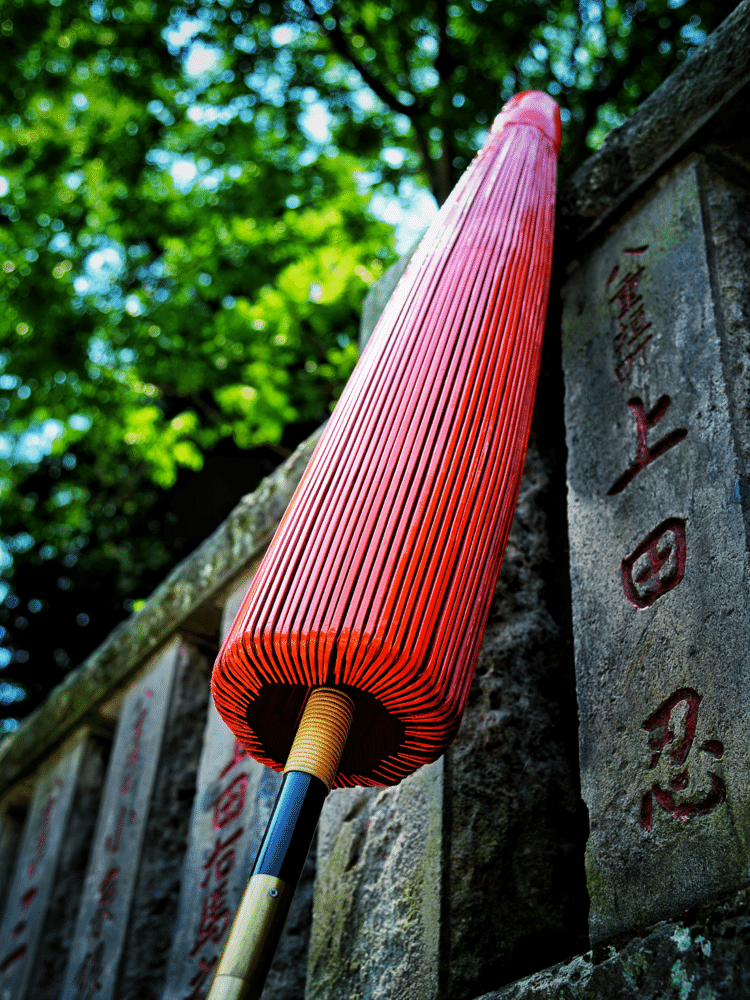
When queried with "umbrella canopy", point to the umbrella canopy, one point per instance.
{"points": [[380, 576]]}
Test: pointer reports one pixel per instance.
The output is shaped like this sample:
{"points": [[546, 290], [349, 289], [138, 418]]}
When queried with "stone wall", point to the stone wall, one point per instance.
{"points": [[595, 803]]}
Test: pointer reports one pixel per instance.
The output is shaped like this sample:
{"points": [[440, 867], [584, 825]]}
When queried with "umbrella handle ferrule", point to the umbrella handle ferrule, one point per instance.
{"points": [[252, 942], [310, 771]]}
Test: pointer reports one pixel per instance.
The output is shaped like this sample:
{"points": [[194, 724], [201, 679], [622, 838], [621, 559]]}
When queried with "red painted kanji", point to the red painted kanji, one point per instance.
{"points": [[631, 330], [215, 912], [644, 422], [107, 895], [200, 979], [215, 917], [626, 296], [41, 843], [135, 750], [239, 753], [625, 368], [630, 317], [230, 803], [28, 897], [18, 951], [112, 843], [88, 978], [14, 956], [222, 857], [664, 553], [672, 739]]}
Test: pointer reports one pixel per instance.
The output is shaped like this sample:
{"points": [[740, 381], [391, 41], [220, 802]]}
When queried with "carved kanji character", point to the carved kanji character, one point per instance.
{"points": [[107, 896], [28, 897], [238, 753], [215, 917], [627, 292], [629, 331], [222, 856], [671, 735], [625, 369], [135, 750], [200, 979], [87, 979], [14, 956], [41, 843], [644, 422], [664, 553], [230, 802]]}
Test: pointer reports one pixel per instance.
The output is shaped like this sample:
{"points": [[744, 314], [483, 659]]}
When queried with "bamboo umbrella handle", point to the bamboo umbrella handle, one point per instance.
{"points": [[308, 776]]}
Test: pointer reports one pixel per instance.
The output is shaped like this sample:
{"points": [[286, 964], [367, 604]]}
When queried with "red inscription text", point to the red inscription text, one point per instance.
{"points": [[644, 422], [630, 317], [230, 803], [671, 730], [200, 979], [657, 565]]}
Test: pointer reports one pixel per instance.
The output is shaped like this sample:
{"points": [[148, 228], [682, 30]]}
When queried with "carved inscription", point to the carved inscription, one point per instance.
{"points": [[16, 949], [215, 913], [627, 303], [87, 976], [671, 730], [114, 862], [645, 422], [658, 559], [657, 565]]}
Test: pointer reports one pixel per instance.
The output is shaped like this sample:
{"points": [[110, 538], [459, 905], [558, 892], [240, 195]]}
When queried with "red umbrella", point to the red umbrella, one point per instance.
{"points": [[375, 590]]}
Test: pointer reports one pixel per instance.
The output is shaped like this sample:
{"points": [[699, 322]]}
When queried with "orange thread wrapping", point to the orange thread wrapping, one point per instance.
{"points": [[322, 733]]}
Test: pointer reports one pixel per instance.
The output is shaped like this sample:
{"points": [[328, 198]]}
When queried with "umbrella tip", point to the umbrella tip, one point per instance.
{"points": [[533, 107]]}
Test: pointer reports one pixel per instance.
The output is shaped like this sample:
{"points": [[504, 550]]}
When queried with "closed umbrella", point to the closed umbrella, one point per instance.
{"points": [[351, 658]]}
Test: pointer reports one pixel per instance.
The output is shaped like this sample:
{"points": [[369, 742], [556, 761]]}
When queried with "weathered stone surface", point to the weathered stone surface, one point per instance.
{"points": [[36, 869], [659, 571], [726, 218], [233, 800], [65, 896], [198, 580], [513, 875], [153, 912], [116, 848], [702, 957], [376, 918], [663, 125]]}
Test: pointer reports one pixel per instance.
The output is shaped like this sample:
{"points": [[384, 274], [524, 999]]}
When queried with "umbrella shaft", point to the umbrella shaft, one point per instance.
{"points": [[265, 904], [309, 774]]}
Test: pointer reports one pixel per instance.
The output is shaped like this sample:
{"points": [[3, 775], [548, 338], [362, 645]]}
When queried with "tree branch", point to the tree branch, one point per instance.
{"points": [[338, 39]]}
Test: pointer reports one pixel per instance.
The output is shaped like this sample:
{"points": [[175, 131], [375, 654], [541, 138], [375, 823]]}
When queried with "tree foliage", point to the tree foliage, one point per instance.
{"points": [[185, 242]]}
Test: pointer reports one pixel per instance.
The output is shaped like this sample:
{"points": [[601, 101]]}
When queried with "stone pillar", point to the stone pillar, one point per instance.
{"points": [[376, 918], [116, 848], [514, 896], [154, 909], [65, 896], [38, 867], [656, 397]]}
